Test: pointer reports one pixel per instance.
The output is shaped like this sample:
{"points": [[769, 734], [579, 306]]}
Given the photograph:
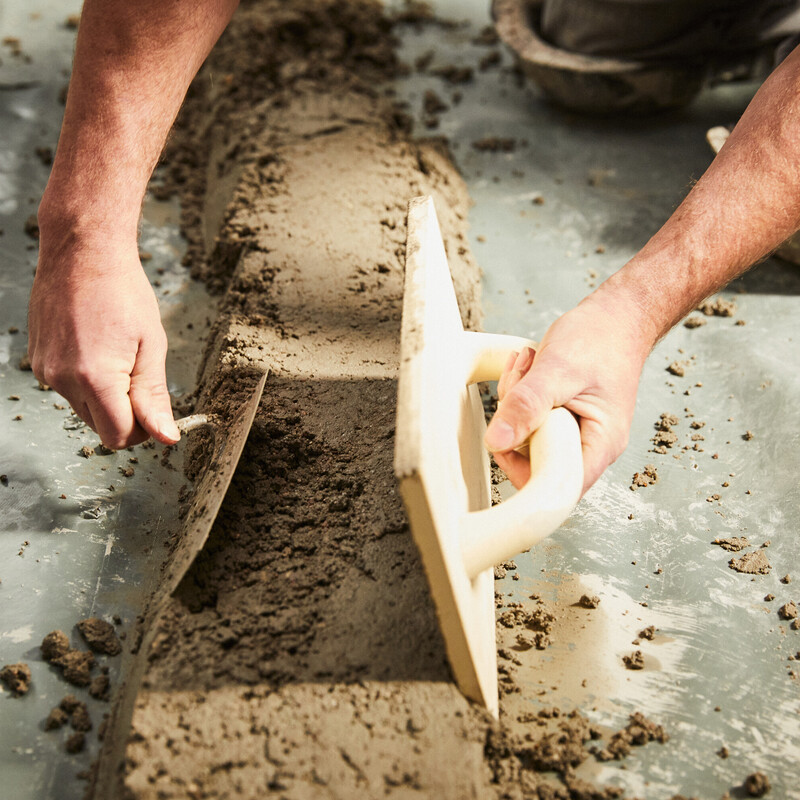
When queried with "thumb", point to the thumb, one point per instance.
{"points": [[521, 411], [149, 395]]}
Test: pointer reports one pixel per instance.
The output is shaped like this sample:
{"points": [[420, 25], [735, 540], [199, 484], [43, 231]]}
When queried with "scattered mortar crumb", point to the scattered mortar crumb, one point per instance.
{"points": [[646, 478], [100, 636], [788, 610], [68, 703], [79, 719], [634, 661], [432, 103], [718, 308], [589, 601], [31, 227], [453, 74], [99, 688], [495, 144], [732, 544], [757, 784], [751, 563], [694, 322], [56, 719], [17, 678], [500, 570], [54, 645], [76, 666], [639, 731], [677, 368]]}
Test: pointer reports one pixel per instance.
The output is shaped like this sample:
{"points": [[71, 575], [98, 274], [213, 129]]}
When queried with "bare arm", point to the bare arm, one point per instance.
{"points": [[95, 331], [746, 205]]}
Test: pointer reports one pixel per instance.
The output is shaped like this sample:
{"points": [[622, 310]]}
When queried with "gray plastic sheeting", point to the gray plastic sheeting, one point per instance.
{"points": [[609, 185], [603, 183], [77, 537]]}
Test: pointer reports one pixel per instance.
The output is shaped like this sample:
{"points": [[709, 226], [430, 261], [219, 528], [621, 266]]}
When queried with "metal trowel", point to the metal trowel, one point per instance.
{"points": [[229, 438], [443, 467], [229, 441]]}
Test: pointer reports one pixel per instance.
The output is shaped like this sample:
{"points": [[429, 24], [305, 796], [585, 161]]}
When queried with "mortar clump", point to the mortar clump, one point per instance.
{"points": [[100, 636], [17, 677], [54, 645], [76, 666], [751, 563], [638, 732], [647, 477], [732, 544]]}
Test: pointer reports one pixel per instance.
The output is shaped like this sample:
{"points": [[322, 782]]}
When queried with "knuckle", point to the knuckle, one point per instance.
{"points": [[93, 381], [524, 400], [152, 389], [51, 374], [85, 374]]}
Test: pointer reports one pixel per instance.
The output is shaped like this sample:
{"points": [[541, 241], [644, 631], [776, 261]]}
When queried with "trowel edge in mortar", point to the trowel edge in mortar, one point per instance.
{"points": [[229, 438], [443, 468]]}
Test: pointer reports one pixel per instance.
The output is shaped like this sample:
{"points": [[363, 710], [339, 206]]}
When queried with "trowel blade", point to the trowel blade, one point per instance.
{"points": [[229, 441]]}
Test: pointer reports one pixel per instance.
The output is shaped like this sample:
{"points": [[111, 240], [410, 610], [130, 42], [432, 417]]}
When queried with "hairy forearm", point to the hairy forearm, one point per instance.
{"points": [[745, 205], [133, 63]]}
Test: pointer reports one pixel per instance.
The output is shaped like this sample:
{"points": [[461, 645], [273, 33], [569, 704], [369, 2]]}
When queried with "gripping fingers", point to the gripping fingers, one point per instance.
{"points": [[149, 395], [515, 371], [502, 384], [516, 466], [114, 419], [518, 415]]}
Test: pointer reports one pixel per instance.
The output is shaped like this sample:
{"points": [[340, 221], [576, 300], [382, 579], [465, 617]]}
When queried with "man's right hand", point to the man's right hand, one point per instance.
{"points": [[95, 336]]}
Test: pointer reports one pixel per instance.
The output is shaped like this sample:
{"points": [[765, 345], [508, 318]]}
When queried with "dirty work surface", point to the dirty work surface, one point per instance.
{"points": [[79, 538], [560, 202], [310, 577], [301, 657], [292, 626]]}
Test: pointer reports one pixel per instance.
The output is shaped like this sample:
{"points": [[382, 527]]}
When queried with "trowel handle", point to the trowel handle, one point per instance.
{"points": [[494, 535]]}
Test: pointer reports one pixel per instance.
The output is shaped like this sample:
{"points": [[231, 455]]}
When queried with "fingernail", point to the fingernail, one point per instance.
{"points": [[499, 436], [524, 359], [511, 360], [167, 427]]}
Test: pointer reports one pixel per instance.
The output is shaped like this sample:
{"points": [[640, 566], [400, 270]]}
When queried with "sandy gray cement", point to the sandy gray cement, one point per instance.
{"points": [[301, 654]]}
